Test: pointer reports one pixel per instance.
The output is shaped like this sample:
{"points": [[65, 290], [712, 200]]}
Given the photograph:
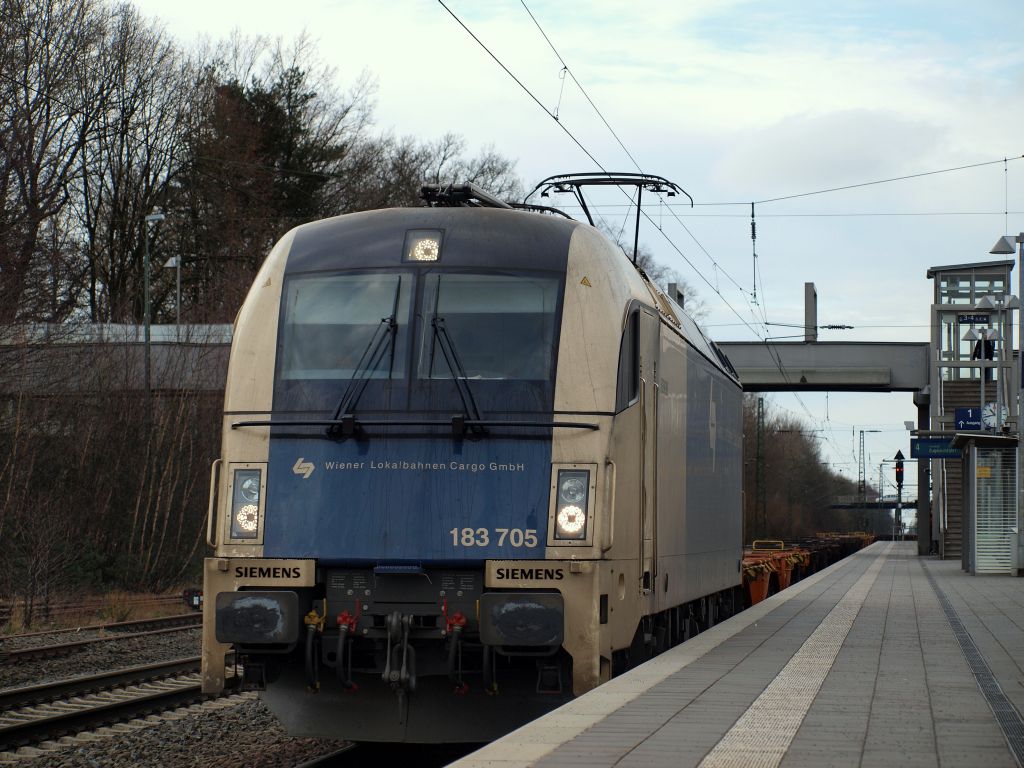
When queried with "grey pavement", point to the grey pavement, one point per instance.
{"points": [[899, 691]]}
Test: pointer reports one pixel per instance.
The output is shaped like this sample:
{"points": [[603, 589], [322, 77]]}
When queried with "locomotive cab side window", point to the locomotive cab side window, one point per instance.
{"points": [[627, 388]]}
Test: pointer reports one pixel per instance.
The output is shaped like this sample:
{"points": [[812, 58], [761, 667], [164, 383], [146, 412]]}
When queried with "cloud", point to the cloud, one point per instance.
{"points": [[804, 152]]}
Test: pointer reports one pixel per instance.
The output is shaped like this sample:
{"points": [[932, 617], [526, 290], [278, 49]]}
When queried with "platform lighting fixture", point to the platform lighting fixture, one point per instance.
{"points": [[151, 221]]}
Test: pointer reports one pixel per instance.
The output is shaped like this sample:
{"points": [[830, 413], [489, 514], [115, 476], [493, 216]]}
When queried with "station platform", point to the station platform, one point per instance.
{"points": [[882, 659]]}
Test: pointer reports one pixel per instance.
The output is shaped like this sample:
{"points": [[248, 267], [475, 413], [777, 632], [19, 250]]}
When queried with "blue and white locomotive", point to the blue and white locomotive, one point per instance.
{"points": [[474, 463]]}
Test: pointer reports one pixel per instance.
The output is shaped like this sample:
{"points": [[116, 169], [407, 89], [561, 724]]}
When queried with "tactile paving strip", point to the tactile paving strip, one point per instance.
{"points": [[1007, 716], [761, 736]]}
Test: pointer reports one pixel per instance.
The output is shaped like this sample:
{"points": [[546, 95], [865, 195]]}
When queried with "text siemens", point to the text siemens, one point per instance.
{"points": [[551, 574], [267, 572]]}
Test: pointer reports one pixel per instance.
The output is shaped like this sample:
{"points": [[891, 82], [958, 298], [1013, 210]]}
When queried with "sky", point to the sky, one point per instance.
{"points": [[735, 101]]}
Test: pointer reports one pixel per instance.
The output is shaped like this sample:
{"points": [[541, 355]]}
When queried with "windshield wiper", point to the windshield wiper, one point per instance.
{"points": [[382, 341], [470, 417]]}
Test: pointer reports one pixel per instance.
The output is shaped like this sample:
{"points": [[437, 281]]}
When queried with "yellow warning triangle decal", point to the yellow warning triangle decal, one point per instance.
{"points": [[586, 282]]}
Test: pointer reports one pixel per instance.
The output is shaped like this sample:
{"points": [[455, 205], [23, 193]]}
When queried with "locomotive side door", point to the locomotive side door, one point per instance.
{"points": [[649, 345]]}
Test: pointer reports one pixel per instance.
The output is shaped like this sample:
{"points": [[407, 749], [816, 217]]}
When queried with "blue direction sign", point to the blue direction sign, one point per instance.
{"points": [[933, 448], [967, 418]]}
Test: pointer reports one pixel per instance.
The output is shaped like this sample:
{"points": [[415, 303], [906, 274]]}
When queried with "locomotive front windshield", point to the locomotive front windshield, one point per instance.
{"points": [[330, 321], [501, 327], [414, 335]]}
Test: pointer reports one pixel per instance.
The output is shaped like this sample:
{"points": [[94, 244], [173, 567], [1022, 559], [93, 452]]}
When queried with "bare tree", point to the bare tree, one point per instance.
{"points": [[798, 488], [133, 152], [279, 144], [101, 119], [100, 484], [446, 163], [47, 107]]}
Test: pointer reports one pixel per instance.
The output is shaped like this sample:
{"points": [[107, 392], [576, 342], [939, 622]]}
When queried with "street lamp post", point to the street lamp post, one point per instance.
{"points": [[1003, 306], [151, 220], [1005, 246]]}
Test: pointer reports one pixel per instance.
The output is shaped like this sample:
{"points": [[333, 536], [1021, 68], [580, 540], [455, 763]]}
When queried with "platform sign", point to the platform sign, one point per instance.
{"points": [[933, 448], [965, 419], [972, 319]]}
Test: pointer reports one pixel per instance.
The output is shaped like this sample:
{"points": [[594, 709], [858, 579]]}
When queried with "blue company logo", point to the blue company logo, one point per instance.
{"points": [[303, 467]]}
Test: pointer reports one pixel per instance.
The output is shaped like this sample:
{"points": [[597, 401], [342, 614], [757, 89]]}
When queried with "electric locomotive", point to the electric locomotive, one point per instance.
{"points": [[474, 463]]}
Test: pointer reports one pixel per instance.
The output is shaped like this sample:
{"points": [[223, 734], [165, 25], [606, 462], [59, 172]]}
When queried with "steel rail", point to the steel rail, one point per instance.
{"points": [[181, 619], [41, 693], [90, 604], [80, 704], [62, 649]]}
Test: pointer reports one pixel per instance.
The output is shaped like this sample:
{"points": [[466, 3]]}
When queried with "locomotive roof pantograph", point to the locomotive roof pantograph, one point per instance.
{"points": [[573, 183]]}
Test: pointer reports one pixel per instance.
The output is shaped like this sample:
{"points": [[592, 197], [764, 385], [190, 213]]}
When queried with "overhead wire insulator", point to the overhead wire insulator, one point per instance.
{"points": [[561, 90], [753, 249]]}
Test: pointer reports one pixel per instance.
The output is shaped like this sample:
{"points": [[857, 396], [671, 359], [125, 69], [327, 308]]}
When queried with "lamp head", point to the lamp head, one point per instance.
{"points": [[1005, 246]]}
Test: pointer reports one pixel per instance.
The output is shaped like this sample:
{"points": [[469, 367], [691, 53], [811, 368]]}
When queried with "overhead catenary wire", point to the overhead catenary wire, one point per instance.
{"points": [[875, 182], [765, 338], [773, 352], [587, 152], [1006, 195], [526, 90], [832, 214], [565, 68]]}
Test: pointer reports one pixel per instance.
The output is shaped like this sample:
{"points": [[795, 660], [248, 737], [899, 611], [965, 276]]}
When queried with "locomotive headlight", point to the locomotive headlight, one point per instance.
{"points": [[248, 518], [572, 504], [423, 245], [250, 488], [246, 503], [573, 489], [572, 522]]}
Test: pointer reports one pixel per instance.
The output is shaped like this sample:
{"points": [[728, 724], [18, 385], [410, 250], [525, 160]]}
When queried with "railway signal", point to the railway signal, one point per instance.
{"points": [[899, 471]]}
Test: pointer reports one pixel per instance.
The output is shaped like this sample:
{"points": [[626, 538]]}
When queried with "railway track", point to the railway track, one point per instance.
{"points": [[83, 608], [37, 713], [117, 631]]}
